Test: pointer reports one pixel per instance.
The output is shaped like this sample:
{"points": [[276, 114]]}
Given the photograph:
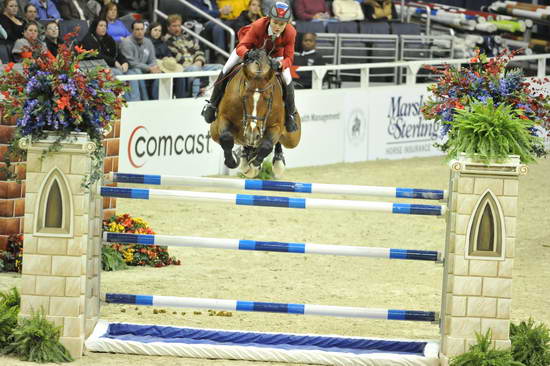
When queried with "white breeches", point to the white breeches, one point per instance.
{"points": [[235, 59]]}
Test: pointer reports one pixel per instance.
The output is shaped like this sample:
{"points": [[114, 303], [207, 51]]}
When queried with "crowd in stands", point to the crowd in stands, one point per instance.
{"points": [[125, 40]]}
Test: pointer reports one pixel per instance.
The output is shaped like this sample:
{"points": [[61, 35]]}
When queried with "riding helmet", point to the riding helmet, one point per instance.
{"points": [[280, 11]]}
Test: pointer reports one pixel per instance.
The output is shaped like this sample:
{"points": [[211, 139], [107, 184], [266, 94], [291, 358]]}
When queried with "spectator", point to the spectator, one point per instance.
{"points": [[75, 10], [232, 9], [11, 22], [253, 13], [30, 45], [308, 57], [379, 10], [311, 10], [96, 6], [51, 37], [107, 50], [140, 53], [162, 53], [347, 10], [154, 33], [46, 9], [115, 27], [214, 30], [187, 52], [31, 13]]}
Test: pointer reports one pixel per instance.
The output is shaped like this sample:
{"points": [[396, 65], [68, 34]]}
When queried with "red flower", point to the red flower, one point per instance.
{"points": [[79, 49], [9, 67], [63, 102]]}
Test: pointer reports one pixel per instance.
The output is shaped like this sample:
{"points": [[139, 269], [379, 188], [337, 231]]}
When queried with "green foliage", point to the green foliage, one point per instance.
{"points": [[37, 340], [482, 354], [111, 259], [10, 298], [266, 172], [491, 133], [8, 322], [530, 343]]}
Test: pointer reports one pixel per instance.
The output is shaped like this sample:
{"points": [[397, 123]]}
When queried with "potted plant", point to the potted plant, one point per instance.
{"points": [[489, 112], [54, 96]]}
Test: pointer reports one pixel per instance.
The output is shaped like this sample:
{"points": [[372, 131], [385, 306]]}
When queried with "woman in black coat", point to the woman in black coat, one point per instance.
{"points": [[98, 39]]}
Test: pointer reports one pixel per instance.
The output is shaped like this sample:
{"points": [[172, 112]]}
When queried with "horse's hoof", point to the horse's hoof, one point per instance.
{"points": [[278, 168], [232, 161], [252, 171]]}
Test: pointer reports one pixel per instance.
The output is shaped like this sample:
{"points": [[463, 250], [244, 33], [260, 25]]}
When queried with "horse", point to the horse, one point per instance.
{"points": [[252, 114]]}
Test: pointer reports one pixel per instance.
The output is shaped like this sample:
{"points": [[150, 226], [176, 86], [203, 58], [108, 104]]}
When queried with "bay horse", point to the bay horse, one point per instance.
{"points": [[252, 114]]}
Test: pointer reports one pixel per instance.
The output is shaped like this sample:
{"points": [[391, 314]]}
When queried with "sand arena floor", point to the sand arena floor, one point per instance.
{"points": [[327, 280]]}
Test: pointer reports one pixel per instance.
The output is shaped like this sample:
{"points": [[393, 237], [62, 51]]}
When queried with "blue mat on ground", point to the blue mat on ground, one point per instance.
{"points": [[165, 334]]}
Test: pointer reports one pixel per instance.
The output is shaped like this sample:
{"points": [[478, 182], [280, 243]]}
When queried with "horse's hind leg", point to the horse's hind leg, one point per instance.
{"points": [[231, 159], [278, 161]]}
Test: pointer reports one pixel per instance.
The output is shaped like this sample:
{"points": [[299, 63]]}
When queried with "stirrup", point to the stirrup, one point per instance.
{"points": [[209, 113]]}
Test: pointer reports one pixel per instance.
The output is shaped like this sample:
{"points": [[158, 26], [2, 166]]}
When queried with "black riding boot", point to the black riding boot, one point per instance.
{"points": [[209, 110], [290, 108]]}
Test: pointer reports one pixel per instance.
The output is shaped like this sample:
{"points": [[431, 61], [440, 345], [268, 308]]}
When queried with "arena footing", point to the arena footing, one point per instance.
{"points": [[187, 342]]}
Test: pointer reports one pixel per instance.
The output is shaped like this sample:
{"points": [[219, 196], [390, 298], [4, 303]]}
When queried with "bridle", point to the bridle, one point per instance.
{"points": [[261, 121]]}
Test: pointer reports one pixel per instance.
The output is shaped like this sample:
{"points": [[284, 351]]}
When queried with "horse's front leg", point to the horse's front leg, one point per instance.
{"points": [[227, 141], [265, 147]]}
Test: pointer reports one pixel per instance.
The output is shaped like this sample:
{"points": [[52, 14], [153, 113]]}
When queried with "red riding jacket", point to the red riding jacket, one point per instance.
{"points": [[254, 35]]}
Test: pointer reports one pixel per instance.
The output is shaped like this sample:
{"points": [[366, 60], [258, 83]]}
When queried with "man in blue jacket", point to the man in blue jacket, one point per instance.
{"points": [[46, 9]]}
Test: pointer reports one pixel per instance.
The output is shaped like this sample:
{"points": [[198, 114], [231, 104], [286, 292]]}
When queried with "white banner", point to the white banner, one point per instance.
{"points": [[338, 125], [166, 137]]}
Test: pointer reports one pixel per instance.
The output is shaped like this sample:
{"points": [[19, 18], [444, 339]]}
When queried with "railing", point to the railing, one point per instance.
{"points": [[157, 12], [318, 72]]}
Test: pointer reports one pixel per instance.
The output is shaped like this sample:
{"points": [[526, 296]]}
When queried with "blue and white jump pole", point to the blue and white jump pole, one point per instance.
{"points": [[274, 201], [272, 246], [267, 185], [271, 307]]}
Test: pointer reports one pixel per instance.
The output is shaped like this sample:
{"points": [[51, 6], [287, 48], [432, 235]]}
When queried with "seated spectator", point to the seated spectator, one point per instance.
{"points": [[51, 37], [347, 10], [140, 53], [253, 13], [46, 9], [232, 9], [115, 27], [379, 10], [96, 6], [308, 57], [154, 33], [30, 45], [31, 13], [75, 10], [163, 54], [107, 50], [11, 22], [213, 30], [311, 9], [187, 52]]}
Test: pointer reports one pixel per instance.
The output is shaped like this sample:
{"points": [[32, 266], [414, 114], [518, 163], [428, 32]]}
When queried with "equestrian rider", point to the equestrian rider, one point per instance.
{"points": [[277, 36]]}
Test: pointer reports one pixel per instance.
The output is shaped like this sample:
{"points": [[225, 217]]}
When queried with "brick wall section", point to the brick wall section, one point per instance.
{"points": [[12, 193], [110, 164]]}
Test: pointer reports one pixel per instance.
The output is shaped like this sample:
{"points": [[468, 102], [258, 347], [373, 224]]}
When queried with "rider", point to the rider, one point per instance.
{"points": [[277, 36]]}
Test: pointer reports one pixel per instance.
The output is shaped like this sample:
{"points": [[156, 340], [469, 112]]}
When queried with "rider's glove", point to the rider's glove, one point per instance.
{"points": [[275, 64]]}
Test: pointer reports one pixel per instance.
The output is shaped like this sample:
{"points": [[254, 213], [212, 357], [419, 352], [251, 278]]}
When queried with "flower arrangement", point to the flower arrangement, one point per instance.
{"points": [[11, 260], [137, 254], [457, 100], [56, 94]]}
